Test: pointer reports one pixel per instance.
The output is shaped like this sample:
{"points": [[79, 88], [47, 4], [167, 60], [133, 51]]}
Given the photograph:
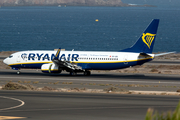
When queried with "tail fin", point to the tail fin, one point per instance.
{"points": [[146, 41]]}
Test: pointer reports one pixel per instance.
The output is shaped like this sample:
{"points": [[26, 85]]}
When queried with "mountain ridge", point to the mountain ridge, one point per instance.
{"points": [[62, 2]]}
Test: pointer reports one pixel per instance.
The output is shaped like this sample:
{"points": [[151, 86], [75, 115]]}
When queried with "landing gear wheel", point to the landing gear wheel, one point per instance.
{"points": [[18, 72], [87, 73], [73, 73]]}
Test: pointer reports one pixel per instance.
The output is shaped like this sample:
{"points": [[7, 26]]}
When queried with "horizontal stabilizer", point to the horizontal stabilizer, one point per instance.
{"points": [[144, 55], [164, 53]]}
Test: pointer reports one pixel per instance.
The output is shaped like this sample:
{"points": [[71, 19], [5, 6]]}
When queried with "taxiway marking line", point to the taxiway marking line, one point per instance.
{"points": [[91, 80], [10, 117], [22, 103]]}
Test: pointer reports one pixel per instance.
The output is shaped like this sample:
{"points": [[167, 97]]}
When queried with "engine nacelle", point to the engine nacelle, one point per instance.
{"points": [[50, 68]]}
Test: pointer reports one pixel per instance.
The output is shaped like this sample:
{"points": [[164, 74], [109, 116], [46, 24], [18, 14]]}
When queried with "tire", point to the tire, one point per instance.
{"points": [[18, 72], [87, 73], [73, 73]]}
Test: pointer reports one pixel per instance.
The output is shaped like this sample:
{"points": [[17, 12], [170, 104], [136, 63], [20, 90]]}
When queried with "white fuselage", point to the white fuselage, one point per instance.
{"points": [[85, 59]]}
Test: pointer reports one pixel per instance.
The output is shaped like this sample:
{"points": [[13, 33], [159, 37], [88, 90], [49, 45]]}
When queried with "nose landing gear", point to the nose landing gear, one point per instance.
{"points": [[18, 72]]}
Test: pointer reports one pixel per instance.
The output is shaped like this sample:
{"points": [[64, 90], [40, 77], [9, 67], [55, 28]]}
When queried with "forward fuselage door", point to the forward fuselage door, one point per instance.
{"points": [[18, 58]]}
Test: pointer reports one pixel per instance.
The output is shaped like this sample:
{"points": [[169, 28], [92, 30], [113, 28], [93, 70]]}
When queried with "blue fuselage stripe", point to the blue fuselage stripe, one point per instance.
{"points": [[90, 66]]}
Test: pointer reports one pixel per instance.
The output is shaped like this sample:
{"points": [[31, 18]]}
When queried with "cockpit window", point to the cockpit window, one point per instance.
{"points": [[10, 56]]}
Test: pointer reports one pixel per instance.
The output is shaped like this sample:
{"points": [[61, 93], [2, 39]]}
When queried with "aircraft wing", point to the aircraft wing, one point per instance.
{"points": [[65, 64]]}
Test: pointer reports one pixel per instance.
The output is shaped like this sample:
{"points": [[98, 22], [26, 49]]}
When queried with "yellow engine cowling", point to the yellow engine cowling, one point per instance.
{"points": [[50, 68]]}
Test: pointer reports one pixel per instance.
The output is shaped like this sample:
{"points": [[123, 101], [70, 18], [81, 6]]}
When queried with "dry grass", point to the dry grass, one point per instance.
{"points": [[27, 82], [56, 83], [67, 82], [76, 89], [35, 82], [169, 115], [17, 86], [46, 88], [178, 90], [154, 70], [20, 81]]}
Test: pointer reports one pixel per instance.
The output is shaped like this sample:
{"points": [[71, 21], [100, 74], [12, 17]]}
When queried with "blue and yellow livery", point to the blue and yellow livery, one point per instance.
{"points": [[84, 61]]}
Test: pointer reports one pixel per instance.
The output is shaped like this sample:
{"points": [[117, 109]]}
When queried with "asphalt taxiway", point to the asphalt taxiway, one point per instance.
{"points": [[33, 105], [148, 82], [80, 106]]}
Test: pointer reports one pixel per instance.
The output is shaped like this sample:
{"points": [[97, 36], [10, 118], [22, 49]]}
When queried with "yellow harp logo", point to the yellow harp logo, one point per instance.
{"points": [[148, 38]]}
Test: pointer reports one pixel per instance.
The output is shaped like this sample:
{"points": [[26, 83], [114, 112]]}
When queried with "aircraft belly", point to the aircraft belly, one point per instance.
{"points": [[106, 66], [90, 66], [36, 66], [111, 66]]}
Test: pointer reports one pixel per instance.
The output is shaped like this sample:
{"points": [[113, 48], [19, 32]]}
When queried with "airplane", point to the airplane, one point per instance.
{"points": [[84, 61]]}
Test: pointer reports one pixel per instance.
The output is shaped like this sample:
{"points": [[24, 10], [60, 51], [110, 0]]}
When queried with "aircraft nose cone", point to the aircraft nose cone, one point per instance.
{"points": [[5, 61]]}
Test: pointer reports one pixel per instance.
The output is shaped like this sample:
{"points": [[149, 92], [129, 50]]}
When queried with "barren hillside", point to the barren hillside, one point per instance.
{"points": [[62, 2]]}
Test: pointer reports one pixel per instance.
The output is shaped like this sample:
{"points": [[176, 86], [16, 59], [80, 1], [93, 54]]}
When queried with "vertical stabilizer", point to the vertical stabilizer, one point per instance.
{"points": [[146, 41]]}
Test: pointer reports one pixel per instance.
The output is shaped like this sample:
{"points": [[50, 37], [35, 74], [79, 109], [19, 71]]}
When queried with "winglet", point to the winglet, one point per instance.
{"points": [[57, 54]]}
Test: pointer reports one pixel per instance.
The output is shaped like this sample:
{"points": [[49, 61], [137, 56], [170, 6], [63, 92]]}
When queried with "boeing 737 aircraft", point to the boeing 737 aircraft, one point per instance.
{"points": [[84, 61]]}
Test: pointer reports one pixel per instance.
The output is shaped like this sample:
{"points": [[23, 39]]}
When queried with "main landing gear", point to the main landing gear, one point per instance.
{"points": [[86, 73], [73, 73]]}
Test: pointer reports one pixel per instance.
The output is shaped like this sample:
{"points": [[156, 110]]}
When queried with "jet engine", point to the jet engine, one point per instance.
{"points": [[50, 68]]}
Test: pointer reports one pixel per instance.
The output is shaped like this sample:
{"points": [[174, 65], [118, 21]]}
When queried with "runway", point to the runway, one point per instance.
{"points": [[33, 105], [76, 106], [164, 82]]}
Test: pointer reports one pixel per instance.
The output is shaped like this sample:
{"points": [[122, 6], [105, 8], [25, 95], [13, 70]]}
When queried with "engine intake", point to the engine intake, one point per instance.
{"points": [[50, 68]]}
